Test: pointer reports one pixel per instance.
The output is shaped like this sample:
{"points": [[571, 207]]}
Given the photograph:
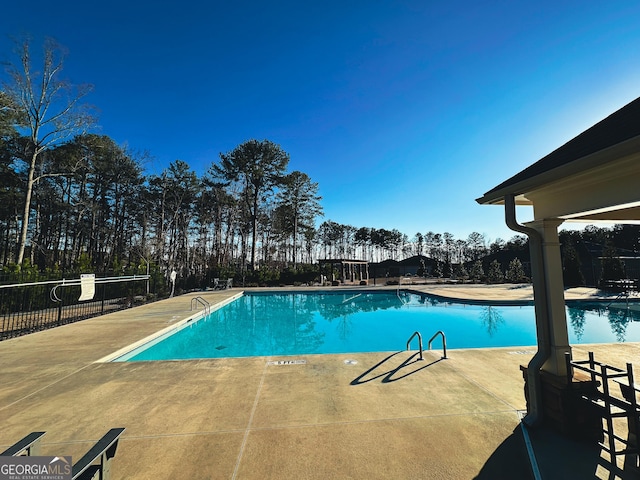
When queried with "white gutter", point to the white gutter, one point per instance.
{"points": [[534, 416]]}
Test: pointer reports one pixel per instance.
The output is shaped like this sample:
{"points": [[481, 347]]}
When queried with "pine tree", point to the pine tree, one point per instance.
{"points": [[515, 271], [477, 272], [571, 266], [461, 272], [495, 273], [447, 270], [437, 270], [612, 266]]}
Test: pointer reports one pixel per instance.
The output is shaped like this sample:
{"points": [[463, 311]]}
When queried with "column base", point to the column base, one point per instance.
{"points": [[562, 407]]}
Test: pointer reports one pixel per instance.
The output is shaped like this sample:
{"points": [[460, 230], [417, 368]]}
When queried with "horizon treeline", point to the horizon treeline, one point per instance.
{"points": [[93, 206], [101, 211], [72, 200]]}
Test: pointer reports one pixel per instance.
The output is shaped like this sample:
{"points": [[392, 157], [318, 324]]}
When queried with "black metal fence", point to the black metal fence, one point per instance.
{"points": [[34, 306]]}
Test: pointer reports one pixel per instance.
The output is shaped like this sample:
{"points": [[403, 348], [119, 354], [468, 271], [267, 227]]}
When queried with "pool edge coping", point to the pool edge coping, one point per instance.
{"points": [[157, 336], [149, 340]]}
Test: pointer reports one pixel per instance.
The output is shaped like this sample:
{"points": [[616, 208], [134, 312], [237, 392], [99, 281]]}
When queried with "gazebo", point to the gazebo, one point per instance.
{"points": [[593, 177], [349, 271]]}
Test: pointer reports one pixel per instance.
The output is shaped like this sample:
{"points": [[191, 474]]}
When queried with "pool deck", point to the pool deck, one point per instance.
{"points": [[354, 416]]}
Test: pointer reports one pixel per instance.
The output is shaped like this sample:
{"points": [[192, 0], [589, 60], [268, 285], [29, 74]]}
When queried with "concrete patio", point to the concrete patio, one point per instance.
{"points": [[378, 416]]}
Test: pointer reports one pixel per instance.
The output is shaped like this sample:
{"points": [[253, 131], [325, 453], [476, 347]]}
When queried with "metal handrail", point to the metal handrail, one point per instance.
{"points": [[419, 342], [76, 281], [444, 342], [29, 445], [203, 302]]}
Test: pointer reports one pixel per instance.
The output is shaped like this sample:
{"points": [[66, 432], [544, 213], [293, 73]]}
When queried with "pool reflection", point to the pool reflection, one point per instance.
{"points": [[619, 316], [492, 319], [330, 322]]}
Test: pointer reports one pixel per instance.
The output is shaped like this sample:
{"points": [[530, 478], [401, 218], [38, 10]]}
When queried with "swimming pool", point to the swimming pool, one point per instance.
{"points": [[295, 323]]}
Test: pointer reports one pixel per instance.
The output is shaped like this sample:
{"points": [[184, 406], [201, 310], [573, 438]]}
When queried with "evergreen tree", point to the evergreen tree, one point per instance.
{"points": [[612, 266], [571, 266], [477, 272], [258, 167], [515, 271], [297, 208], [461, 272], [437, 270], [495, 273], [447, 270]]}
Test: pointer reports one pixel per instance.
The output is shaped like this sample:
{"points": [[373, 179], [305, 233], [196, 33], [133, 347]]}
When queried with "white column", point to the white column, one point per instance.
{"points": [[554, 288]]}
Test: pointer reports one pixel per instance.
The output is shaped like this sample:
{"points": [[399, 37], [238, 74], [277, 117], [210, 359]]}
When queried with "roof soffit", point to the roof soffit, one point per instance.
{"points": [[591, 168], [604, 189]]}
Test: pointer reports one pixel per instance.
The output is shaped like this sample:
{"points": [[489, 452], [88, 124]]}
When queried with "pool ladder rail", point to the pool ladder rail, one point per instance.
{"points": [[199, 300], [435, 335]]}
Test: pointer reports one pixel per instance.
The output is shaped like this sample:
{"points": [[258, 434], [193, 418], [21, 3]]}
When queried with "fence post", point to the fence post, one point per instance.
{"points": [[33, 306], [104, 286], [60, 311]]}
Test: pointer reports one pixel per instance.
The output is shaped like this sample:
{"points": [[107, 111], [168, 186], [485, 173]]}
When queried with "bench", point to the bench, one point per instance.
{"points": [[29, 446], [96, 463]]}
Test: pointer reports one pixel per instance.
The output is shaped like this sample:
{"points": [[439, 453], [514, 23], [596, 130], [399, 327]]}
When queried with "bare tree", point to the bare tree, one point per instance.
{"points": [[50, 113]]}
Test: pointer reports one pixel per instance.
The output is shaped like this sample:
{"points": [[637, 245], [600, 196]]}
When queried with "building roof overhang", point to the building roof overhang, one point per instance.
{"points": [[594, 177]]}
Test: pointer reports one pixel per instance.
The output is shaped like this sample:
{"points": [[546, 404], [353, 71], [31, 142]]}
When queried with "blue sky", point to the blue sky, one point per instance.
{"points": [[404, 112]]}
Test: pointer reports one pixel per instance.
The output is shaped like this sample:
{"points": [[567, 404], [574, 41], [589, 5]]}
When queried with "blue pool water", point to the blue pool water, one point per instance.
{"points": [[350, 322]]}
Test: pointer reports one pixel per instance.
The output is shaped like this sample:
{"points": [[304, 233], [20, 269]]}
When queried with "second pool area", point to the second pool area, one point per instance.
{"points": [[301, 323]]}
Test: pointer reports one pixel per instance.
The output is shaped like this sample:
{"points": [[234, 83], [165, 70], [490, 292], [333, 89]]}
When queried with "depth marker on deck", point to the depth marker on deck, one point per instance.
{"points": [[287, 362]]}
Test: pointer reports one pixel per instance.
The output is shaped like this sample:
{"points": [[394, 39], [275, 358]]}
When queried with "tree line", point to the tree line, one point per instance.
{"points": [[73, 200], [69, 197]]}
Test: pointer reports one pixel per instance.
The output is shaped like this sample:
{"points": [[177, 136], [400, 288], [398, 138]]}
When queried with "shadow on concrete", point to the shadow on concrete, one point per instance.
{"points": [[560, 457], [509, 461], [409, 361], [388, 376]]}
